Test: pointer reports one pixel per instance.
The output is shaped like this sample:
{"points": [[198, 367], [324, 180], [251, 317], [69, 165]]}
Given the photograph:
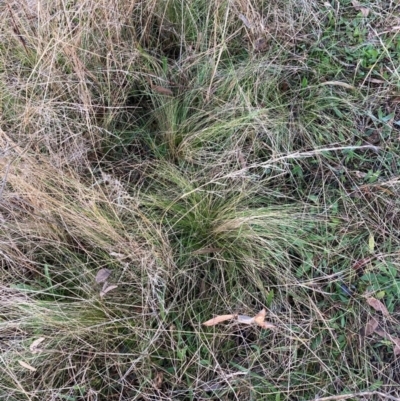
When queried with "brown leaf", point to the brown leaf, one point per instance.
{"points": [[158, 380], [27, 366], [378, 305], [371, 326], [395, 340], [260, 317], [361, 263], [382, 333], [218, 319], [357, 6], [161, 90], [102, 275], [267, 325]]}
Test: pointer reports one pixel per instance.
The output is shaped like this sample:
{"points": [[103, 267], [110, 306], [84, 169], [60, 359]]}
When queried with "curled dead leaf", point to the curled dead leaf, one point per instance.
{"points": [[378, 305], [218, 319], [268, 325], [27, 366], [260, 317], [102, 275]]}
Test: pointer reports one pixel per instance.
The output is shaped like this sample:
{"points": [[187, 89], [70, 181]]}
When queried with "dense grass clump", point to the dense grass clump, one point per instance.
{"points": [[167, 162]]}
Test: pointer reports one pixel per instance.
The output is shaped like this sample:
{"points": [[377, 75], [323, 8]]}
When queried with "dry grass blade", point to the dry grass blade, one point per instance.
{"points": [[27, 366], [225, 187], [338, 83]]}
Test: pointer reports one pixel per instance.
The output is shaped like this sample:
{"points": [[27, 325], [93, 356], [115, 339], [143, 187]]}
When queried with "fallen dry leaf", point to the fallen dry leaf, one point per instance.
{"points": [[382, 333], [371, 326], [107, 289], [27, 366], [357, 6], [267, 325], [245, 319], [161, 90], [218, 319], [34, 346], [260, 320], [361, 263], [378, 305], [260, 317], [395, 340], [102, 275], [158, 380]]}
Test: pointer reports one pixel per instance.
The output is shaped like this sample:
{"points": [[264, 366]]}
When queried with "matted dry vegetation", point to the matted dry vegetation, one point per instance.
{"points": [[202, 159]]}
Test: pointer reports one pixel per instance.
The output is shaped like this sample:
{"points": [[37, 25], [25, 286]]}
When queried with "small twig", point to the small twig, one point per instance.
{"points": [[356, 395]]}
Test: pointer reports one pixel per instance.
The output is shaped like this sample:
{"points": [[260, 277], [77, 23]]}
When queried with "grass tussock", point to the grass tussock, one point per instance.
{"points": [[215, 158]]}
